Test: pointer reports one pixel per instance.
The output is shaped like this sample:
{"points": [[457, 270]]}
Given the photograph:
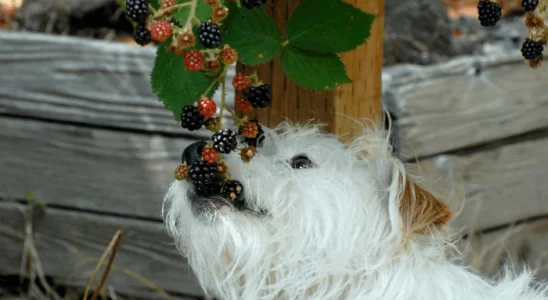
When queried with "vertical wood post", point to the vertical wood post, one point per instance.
{"points": [[363, 97], [358, 100]]}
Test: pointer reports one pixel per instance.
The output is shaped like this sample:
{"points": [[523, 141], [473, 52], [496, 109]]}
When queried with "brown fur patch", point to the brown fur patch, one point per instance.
{"points": [[420, 209]]}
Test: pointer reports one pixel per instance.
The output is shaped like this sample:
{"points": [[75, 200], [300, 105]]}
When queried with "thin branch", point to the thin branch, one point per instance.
{"points": [[112, 247]]}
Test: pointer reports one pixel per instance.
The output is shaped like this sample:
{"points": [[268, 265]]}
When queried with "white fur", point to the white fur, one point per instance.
{"points": [[332, 232]]}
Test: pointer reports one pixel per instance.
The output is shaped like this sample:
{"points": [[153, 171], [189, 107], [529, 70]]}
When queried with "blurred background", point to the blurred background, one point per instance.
{"points": [[87, 149]]}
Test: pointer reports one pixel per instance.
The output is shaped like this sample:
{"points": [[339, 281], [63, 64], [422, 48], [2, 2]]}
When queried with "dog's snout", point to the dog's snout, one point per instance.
{"points": [[193, 152]]}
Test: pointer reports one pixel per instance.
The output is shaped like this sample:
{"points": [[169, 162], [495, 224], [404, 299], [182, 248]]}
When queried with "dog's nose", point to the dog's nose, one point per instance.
{"points": [[193, 152]]}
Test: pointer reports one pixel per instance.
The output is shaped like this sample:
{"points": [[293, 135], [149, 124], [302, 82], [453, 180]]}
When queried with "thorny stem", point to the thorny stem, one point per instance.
{"points": [[161, 12], [210, 87], [192, 14], [238, 120], [223, 96]]}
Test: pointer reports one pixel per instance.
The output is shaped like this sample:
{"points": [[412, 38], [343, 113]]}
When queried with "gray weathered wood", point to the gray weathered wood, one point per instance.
{"points": [[129, 173], [87, 168], [520, 246], [446, 107], [497, 186], [70, 243], [86, 81]]}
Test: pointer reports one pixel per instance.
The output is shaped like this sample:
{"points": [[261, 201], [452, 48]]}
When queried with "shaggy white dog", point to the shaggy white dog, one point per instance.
{"points": [[325, 220]]}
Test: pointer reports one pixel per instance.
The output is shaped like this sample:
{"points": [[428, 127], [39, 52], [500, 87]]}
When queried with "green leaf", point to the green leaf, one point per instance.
{"points": [[332, 26], [254, 35], [203, 12], [312, 70], [155, 3], [175, 85]]}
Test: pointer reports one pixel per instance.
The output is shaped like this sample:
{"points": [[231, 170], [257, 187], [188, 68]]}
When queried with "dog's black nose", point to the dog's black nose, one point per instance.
{"points": [[193, 152]]}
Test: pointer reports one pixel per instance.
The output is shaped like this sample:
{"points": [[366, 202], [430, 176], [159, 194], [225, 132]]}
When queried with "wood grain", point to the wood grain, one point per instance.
{"points": [[70, 243], [87, 168], [496, 187], [362, 99], [85, 81], [128, 173], [466, 102], [522, 246]]}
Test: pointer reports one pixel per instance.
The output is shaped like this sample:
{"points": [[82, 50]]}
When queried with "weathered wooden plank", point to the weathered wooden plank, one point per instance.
{"points": [[520, 246], [70, 243], [88, 168], [499, 186], [85, 81], [448, 106], [128, 173]]}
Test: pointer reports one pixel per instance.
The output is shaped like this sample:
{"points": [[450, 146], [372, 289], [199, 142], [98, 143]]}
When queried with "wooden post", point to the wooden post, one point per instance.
{"points": [[363, 98], [359, 100]]}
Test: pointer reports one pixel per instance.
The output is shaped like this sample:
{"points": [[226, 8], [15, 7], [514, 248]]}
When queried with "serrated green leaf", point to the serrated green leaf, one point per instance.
{"points": [[203, 12], [175, 85], [312, 70], [254, 35], [332, 26]]}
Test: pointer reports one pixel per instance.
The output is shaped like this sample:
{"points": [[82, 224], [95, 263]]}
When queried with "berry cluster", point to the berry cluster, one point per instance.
{"points": [[210, 175], [159, 26], [490, 12], [258, 94]]}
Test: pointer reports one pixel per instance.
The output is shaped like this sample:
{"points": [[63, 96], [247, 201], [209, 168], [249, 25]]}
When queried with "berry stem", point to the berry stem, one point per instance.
{"points": [[222, 77], [192, 14], [209, 88], [161, 12], [238, 120], [223, 97]]}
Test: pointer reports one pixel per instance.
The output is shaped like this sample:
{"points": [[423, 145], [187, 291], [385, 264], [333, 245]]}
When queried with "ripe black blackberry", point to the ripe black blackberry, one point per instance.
{"points": [[191, 119], [142, 35], [224, 141], [260, 96], [529, 5], [210, 189], [204, 177], [258, 140], [251, 4], [233, 190], [210, 35], [137, 10], [531, 49], [489, 13]]}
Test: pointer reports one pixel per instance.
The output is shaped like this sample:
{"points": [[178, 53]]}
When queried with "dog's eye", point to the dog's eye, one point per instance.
{"points": [[301, 162]]}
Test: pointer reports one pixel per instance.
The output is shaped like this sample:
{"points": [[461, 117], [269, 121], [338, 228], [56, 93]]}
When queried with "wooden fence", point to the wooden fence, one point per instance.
{"points": [[83, 132]]}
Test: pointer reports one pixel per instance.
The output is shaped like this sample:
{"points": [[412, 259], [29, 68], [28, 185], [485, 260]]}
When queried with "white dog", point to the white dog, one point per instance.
{"points": [[325, 220]]}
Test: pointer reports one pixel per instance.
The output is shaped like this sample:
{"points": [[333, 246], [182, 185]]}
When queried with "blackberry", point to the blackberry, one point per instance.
{"points": [[258, 140], [211, 189], [204, 177], [137, 10], [233, 190], [531, 49], [260, 96], [529, 5], [489, 13], [251, 4], [224, 141], [210, 35], [142, 35], [191, 118]]}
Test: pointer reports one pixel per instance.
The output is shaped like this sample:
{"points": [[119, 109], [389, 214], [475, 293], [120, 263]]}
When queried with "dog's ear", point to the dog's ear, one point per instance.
{"points": [[419, 209]]}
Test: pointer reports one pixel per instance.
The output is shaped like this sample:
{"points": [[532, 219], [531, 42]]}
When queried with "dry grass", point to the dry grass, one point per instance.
{"points": [[39, 288]]}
